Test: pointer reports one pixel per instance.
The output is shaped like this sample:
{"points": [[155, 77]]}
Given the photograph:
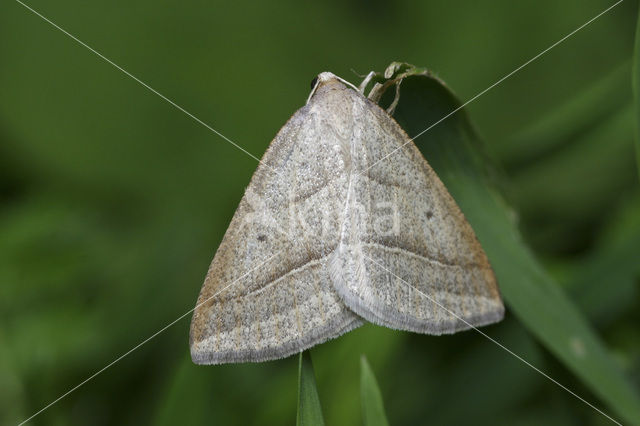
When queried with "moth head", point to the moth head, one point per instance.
{"points": [[327, 78]]}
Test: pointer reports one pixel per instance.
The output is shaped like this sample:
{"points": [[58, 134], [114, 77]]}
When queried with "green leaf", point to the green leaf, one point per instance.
{"points": [[564, 192], [635, 81], [372, 407], [309, 410], [614, 260], [567, 120], [454, 151]]}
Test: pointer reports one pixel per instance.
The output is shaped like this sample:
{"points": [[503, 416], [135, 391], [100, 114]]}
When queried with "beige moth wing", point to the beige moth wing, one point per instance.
{"points": [[307, 253], [424, 269], [268, 292]]}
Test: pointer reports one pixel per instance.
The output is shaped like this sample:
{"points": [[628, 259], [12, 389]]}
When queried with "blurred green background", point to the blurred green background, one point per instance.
{"points": [[112, 202]]}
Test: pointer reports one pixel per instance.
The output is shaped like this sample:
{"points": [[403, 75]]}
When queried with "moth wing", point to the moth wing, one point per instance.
{"points": [[268, 293], [408, 258]]}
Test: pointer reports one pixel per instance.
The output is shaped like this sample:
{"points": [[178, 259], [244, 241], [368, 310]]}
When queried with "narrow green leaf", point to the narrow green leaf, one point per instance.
{"points": [[567, 120], [372, 407], [635, 82], [309, 410], [613, 260], [454, 151], [562, 187]]}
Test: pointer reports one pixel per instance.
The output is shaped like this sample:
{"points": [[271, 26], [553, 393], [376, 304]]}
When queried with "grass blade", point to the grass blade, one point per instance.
{"points": [[372, 407], [309, 410], [452, 148], [567, 120], [635, 82]]}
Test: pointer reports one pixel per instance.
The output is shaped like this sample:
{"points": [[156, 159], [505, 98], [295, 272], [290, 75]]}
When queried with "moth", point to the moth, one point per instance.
{"points": [[343, 222]]}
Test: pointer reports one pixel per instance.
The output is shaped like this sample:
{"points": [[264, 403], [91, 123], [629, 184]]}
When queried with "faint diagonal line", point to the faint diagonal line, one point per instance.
{"points": [[496, 83], [115, 361], [500, 345], [145, 85]]}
